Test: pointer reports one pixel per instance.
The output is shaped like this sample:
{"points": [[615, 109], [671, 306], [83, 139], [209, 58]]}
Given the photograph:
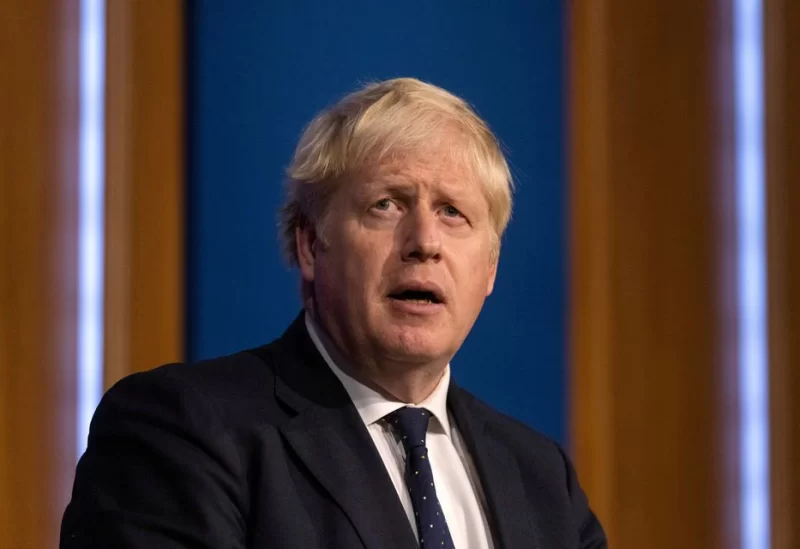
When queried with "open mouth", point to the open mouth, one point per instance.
{"points": [[416, 296]]}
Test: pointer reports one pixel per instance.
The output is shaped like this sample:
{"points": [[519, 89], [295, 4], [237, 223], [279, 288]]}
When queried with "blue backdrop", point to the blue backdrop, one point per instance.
{"points": [[258, 72]]}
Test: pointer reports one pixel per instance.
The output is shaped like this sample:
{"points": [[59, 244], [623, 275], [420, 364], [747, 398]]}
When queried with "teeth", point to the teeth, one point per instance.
{"points": [[419, 301]]}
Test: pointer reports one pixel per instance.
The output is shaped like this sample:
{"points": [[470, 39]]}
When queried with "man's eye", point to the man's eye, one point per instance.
{"points": [[384, 204], [451, 211]]}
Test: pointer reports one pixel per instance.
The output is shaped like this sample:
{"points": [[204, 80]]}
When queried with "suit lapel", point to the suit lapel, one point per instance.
{"points": [[514, 525], [348, 466], [328, 435]]}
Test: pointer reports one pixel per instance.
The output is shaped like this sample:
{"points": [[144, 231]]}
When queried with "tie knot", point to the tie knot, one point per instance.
{"points": [[411, 424]]}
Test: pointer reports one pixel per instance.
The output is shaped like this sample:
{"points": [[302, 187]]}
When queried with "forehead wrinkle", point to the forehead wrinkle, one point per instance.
{"points": [[438, 177], [441, 173]]}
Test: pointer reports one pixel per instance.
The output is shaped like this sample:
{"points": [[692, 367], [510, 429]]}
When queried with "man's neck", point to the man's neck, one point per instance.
{"points": [[409, 383]]}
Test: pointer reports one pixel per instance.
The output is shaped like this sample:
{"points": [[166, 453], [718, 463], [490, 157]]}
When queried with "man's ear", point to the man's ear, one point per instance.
{"points": [[305, 241], [492, 276]]}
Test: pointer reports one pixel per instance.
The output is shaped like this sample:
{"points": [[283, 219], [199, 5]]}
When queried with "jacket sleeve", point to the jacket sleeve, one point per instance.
{"points": [[590, 531], [159, 471]]}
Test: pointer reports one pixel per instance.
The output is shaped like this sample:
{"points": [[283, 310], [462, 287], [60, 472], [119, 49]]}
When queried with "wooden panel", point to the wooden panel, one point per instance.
{"points": [[653, 304], [782, 28], [38, 268], [145, 219]]}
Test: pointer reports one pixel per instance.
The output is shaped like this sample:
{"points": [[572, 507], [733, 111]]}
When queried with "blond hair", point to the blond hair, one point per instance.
{"points": [[381, 119]]}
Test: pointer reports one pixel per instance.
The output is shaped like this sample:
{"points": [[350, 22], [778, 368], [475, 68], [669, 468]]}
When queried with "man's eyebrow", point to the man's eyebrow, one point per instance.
{"points": [[391, 184], [401, 185]]}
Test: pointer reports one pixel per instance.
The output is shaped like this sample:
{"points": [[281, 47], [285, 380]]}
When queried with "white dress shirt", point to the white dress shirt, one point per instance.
{"points": [[457, 484]]}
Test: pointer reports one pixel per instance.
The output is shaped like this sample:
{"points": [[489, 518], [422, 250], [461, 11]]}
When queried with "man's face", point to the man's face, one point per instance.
{"points": [[408, 261]]}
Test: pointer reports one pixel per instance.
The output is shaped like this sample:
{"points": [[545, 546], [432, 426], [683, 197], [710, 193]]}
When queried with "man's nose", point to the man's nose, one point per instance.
{"points": [[422, 240]]}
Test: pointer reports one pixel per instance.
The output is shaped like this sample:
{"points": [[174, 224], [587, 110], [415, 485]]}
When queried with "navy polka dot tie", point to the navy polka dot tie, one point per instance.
{"points": [[411, 426]]}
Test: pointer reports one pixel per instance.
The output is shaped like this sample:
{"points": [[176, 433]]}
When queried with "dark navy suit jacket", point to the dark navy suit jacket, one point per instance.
{"points": [[265, 450]]}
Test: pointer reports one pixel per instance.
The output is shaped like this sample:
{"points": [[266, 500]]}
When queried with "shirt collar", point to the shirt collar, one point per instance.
{"points": [[371, 405]]}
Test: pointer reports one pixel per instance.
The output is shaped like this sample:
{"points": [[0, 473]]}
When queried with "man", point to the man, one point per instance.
{"points": [[347, 432]]}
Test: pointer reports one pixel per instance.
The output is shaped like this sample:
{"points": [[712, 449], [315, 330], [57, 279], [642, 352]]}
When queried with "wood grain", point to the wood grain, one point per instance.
{"points": [[38, 268], [145, 187], [782, 33], [653, 342]]}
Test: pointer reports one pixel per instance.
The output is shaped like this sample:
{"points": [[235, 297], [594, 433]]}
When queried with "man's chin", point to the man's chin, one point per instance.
{"points": [[415, 346]]}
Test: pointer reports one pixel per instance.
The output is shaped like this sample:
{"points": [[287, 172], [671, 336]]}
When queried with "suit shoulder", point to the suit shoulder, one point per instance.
{"points": [[243, 374], [544, 463], [238, 388], [509, 429], [538, 453]]}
